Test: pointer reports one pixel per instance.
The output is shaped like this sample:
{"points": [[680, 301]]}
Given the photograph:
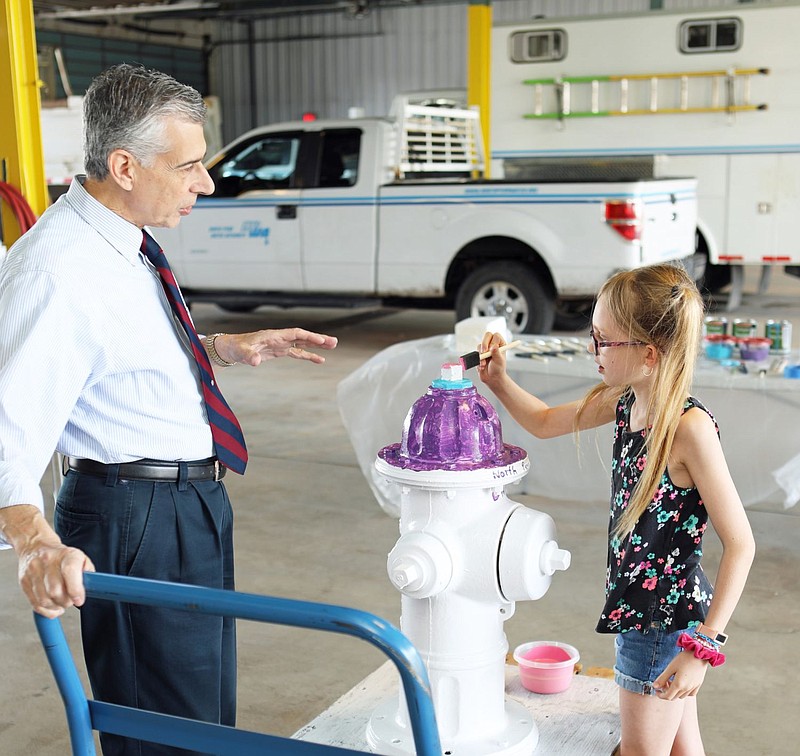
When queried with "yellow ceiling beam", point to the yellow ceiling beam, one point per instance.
{"points": [[21, 154]]}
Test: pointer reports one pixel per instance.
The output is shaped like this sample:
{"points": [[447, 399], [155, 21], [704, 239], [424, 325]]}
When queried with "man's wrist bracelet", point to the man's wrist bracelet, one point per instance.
{"points": [[212, 351]]}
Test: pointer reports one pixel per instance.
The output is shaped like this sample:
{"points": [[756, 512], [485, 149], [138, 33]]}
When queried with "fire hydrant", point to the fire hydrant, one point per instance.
{"points": [[466, 553]]}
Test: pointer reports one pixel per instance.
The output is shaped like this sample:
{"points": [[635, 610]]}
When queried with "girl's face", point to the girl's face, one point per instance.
{"points": [[619, 358]]}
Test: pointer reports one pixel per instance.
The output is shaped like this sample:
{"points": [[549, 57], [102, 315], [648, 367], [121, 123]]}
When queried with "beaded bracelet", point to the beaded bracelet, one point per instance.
{"points": [[701, 650], [706, 640]]}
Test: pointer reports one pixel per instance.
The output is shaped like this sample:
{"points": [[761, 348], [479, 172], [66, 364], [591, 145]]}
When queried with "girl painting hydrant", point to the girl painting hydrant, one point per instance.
{"points": [[668, 479]]}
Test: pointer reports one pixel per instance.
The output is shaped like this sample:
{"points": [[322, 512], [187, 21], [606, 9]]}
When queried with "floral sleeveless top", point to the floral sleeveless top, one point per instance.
{"points": [[654, 573]]}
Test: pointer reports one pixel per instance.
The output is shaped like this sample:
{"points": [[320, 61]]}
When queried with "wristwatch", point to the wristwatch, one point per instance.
{"points": [[212, 351], [719, 638]]}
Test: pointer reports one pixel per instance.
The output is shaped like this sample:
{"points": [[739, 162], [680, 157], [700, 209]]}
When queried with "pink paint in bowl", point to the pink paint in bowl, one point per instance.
{"points": [[546, 666]]}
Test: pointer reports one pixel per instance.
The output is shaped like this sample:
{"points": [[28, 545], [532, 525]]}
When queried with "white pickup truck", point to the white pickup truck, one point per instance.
{"points": [[389, 211]]}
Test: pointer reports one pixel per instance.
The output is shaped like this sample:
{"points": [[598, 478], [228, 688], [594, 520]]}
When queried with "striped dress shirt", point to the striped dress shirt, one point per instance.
{"points": [[91, 363]]}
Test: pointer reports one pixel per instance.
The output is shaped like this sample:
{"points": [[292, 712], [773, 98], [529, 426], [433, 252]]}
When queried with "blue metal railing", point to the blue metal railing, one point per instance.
{"points": [[85, 715]]}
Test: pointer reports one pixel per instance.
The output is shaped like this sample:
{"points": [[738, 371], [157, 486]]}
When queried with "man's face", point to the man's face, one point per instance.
{"points": [[166, 191]]}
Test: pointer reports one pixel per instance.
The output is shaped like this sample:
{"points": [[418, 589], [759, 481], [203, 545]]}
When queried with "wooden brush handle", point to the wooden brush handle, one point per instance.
{"points": [[504, 348]]}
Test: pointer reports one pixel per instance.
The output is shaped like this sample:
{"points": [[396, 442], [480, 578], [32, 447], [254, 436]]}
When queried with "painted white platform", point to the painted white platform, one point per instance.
{"points": [[582, 721]]}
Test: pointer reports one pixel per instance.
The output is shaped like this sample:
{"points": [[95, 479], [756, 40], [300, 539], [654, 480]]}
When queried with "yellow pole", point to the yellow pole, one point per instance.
{"points": [[479, 67], [21, 155]]}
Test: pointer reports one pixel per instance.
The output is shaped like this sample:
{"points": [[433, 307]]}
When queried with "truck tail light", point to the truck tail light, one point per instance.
{"points": [[625, 217]]}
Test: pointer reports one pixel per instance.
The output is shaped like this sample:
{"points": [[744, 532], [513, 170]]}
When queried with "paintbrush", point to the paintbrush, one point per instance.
{"points": [[471, 359]]}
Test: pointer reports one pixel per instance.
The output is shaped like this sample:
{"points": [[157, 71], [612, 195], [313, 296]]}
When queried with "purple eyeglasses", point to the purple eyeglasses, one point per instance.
{"points": [[598, 344]]}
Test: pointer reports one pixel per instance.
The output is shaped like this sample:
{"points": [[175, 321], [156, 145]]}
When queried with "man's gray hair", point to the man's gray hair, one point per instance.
{"points": [[126, 107]]}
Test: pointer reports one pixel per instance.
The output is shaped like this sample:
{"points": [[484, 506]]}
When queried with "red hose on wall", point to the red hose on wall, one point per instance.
{"points": [[19, 206]]}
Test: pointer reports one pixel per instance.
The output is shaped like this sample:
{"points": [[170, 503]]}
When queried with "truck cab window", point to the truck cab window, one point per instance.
{"points": [[540, 46], [339, 157], [710, 35], [261, 163]]}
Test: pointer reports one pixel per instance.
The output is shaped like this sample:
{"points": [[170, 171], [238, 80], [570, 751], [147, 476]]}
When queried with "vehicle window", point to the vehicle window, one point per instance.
{"points": [[338, 164], [267, 162], [710, 35], [540, 46]]}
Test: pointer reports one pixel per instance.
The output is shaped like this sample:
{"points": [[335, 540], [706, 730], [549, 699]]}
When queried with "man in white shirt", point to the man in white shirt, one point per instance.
{"points": [[93, 363]]}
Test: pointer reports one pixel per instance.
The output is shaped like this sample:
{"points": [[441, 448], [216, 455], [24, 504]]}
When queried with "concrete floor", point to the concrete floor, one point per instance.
{"points": [[308, 527]]}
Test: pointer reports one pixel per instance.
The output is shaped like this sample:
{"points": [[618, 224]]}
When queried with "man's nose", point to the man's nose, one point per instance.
{"points": [[205, 184]]}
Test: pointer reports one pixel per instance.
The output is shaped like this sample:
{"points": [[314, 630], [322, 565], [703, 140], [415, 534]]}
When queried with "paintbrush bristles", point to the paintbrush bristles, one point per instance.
{"points": [[472, 359]]}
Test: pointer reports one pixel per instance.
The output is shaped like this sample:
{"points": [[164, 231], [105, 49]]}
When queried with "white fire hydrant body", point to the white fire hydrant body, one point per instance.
{"points": [[466, 553]]}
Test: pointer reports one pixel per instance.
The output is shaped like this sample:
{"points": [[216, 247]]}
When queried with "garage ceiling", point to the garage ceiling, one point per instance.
{"points": [[86, 10]]}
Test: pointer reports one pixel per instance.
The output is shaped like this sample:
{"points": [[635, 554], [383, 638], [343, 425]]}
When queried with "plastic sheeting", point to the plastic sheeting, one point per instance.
{"points": [[758, 417]]}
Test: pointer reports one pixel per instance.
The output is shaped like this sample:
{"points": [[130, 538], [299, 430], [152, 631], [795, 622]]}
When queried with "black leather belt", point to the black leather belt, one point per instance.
{"points": [[206, 469]]}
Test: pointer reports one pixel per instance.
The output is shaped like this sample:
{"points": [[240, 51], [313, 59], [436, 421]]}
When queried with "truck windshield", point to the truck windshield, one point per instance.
{"points": [[267, 162]]}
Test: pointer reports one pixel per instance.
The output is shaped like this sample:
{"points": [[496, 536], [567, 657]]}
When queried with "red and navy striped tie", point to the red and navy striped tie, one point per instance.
{"points": [[225, 429]]}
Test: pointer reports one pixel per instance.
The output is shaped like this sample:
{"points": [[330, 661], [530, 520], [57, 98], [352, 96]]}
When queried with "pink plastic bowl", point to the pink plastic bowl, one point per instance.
{"points": [[546, 666]]}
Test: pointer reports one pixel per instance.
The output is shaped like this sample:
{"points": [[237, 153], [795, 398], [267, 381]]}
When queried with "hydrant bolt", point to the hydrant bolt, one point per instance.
{"points": [[406, 575], [553, 558]]}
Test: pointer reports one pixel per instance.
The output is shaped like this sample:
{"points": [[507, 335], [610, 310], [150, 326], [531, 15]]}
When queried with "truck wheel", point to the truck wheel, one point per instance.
{"points": [[713, 278], [574, 314], [716, 278], [237, 307], [509, 290]]}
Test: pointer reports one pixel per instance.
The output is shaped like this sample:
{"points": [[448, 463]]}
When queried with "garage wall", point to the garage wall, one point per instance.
{"points": [[277, 69], [85, 56], [329, 63]]}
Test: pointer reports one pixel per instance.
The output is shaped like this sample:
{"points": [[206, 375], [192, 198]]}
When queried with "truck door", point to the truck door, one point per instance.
{"points": [[338, 225], [247, 234]]}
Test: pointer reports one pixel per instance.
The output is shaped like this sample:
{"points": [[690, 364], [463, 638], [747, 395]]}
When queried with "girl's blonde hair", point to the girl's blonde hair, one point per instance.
{"points": [[660, 305]]}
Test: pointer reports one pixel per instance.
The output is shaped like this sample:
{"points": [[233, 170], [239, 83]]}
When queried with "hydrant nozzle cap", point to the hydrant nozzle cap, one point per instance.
{"points": [[419, 565]]}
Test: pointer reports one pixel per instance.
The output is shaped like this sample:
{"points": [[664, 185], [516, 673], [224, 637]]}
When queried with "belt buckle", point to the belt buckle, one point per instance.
{"points": [[217, 468]]}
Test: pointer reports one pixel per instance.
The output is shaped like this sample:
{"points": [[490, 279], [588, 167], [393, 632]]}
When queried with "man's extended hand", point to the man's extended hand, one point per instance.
{"points": [[253, 348]]}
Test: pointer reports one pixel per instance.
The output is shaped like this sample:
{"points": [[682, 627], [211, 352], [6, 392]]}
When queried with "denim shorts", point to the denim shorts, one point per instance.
{"points": [[641, 656]]}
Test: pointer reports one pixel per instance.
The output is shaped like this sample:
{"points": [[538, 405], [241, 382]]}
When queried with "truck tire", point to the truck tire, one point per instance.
{"points": [[237, 308], [714, 278], [510, 290], [574, 314]]}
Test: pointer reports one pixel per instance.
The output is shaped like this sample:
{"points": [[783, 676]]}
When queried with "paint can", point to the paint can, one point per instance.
{"points": [[744, 328], [716, 326], [780, 331]]}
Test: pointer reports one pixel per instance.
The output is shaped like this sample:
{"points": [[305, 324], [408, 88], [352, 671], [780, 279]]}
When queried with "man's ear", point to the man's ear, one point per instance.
{"points": [[122, 168]]}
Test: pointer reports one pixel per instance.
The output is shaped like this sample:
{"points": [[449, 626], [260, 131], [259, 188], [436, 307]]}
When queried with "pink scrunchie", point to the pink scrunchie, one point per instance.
{"points": [[714, 658]]}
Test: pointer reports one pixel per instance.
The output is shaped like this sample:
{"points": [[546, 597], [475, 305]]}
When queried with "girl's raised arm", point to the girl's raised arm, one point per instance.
{"points": [[530, 412]]}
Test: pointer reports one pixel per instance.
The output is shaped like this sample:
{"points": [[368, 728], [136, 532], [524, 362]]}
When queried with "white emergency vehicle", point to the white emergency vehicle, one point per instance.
{"points": [[710, 94]]}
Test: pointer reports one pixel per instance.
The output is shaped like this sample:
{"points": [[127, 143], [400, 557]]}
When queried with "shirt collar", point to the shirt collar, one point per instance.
{"points": [[122, 235]]}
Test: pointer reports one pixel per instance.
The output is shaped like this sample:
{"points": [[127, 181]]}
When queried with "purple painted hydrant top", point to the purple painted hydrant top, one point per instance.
{"points": [[451, 427]]}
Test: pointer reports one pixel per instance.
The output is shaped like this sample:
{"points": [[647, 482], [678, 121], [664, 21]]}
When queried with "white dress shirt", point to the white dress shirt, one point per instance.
{"points": [[91, 363]]}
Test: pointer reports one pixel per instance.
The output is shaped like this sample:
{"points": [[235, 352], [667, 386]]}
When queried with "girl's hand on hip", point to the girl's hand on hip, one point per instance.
{"points": [[683, 677]]}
